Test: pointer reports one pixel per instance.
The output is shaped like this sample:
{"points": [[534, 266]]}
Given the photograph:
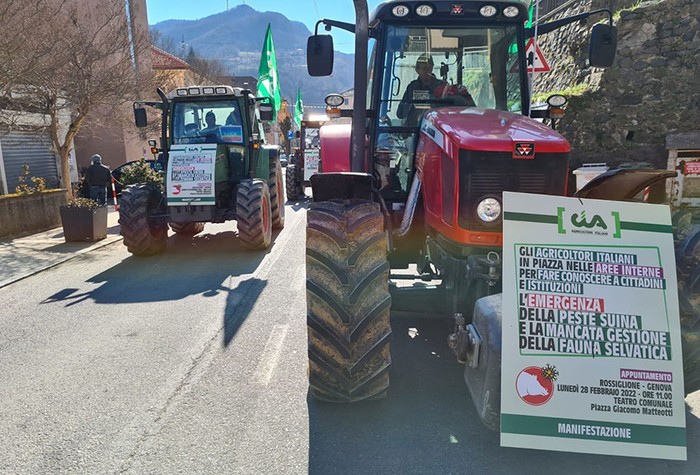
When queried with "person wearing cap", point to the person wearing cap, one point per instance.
{"points": [[98, 177], [425, 87]]}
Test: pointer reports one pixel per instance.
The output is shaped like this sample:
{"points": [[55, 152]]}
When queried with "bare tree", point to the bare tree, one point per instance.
{"points": [[166, 43], [23, 53], [83, 60], [206, 71]]}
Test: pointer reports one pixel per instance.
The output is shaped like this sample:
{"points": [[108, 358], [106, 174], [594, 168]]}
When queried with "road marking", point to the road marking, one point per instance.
{"points": [[271, 354], [291, 230]]}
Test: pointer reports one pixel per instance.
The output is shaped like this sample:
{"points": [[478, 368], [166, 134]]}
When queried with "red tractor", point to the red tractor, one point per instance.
{"points": [[447, 129]]}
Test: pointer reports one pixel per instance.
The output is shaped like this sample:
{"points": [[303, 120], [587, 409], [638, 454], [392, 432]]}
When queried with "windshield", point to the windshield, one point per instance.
{"points": [[427, 67], [432, 67], [207, 121]]}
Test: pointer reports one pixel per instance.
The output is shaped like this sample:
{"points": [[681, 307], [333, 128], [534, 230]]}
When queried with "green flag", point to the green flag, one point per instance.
{"points": [[530, 14], [268, 80], [298, 109]]}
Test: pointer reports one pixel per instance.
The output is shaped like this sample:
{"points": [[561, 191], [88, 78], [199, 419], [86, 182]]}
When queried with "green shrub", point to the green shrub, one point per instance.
{"points": [[141, 172], [24, 188], [84, 203]]}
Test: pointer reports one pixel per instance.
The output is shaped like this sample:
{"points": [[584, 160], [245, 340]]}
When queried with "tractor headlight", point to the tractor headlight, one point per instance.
{"points": [[400, 11], [556, 100], [334, 100], [511, 11], [424, 10], [488, 11], [488, 210]]}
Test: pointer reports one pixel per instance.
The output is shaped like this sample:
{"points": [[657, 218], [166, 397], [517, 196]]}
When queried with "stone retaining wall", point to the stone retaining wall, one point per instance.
{"points": [[29, 214], [652, 89]]}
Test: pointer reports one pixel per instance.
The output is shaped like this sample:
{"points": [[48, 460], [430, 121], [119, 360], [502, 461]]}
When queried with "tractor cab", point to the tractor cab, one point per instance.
{"points": [[469, 58], [419, 68], [201, 118]]}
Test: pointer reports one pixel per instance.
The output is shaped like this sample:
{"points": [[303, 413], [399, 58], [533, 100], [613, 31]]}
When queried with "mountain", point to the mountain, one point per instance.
{"points": [[235, 38]]}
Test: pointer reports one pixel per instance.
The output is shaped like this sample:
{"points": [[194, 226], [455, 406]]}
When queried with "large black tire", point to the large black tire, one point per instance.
{"points": [[276, 193], [688, 267], [253, 214], [187, 229], [141, 237], [348, 301], [295, 188]]}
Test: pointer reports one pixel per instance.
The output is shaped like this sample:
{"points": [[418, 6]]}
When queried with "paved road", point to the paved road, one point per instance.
{"points": [[194, 361]]}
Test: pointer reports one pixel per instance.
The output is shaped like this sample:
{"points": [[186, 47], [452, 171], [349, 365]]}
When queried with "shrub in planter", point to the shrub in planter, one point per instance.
{"points": [[83, 219], [141, 172]]}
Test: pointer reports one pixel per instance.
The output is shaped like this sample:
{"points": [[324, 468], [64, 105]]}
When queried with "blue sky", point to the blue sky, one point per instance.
{"points": [[305, 11]]}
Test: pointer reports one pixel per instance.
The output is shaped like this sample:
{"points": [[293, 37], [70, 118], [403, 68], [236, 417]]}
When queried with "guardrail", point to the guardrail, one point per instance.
{"points": [[549, 8]]}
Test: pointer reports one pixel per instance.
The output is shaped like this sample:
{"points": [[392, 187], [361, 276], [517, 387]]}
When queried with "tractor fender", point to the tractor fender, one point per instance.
{"points": [[273, 150], [623, 184], [344, 185], [335, 145]]}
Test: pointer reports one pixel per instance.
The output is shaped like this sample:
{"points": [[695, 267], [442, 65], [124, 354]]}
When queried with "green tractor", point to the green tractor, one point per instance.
{"points": [[217, 168]]}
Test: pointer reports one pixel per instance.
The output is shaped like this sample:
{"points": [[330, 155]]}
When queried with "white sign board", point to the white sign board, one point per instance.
{"points": [[311, 156], [190, 178], [592, 358]]}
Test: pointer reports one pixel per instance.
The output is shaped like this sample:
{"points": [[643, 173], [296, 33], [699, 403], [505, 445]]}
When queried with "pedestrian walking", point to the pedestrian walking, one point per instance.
{"points": [[98, 177]]}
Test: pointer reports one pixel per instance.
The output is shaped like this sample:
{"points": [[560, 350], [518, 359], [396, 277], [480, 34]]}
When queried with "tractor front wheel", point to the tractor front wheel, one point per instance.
{"points": [[276, 193], [142, 237], [253, 214], [295, 188], [347, 295]]}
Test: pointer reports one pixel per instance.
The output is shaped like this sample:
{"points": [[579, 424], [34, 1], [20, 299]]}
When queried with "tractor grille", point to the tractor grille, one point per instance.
{"points": [[483, 174]]}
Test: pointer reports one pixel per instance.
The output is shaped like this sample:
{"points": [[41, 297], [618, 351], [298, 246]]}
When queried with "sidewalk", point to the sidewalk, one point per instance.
{"points": [[28, 255]]}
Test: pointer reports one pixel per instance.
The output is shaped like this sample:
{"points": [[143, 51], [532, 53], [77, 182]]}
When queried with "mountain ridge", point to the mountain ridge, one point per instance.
{"points": [[219, 37]]}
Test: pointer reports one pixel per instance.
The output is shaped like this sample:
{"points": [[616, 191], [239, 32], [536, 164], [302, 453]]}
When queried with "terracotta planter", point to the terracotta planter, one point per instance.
{"points": [[82, 224]]}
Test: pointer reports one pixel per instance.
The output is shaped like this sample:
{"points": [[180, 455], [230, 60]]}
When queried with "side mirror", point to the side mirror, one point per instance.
{"points": [[140, 117], [265, 112], [319, 55], [603, 45]]}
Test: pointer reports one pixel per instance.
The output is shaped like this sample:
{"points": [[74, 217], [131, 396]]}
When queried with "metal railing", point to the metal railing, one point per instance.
{"points": [[549, 8]]}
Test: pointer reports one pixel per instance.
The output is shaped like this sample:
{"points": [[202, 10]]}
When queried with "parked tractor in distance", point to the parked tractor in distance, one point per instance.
{"points": [[217, 168], [306, 160], [429, 163]]}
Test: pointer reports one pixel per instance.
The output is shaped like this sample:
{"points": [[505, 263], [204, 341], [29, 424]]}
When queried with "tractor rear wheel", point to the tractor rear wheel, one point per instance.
{"points": [[141, 237], [295, 189], [253, 214], [187, 229], [348, 301], [276, 193]]}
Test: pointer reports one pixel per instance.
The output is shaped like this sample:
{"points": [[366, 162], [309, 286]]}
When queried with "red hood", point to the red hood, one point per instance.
{"points": [[494, 131]]}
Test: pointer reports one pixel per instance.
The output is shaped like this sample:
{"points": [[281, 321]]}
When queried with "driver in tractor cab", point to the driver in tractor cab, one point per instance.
{"points": [[427, 87], [212, 127]]}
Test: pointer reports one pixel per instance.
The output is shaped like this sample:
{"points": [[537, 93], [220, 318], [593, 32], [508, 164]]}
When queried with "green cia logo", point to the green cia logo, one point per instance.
{"points": [[581, 223]]}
